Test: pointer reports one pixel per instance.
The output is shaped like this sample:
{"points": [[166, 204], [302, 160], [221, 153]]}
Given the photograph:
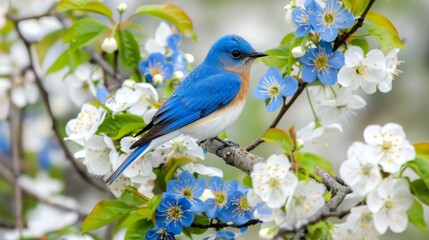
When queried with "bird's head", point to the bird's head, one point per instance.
{"points": [[233, 53]]}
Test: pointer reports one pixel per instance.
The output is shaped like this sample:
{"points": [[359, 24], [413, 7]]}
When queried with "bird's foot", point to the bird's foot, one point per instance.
{"points": [[226, 143]]}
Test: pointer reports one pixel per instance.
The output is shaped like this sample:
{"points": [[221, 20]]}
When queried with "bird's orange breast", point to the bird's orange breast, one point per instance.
{"points": [[244, 89]]}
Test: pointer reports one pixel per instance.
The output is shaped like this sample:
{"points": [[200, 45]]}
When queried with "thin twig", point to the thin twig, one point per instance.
{"points": [[16, 156], [220, 225], [282, 112], [45, 98]]}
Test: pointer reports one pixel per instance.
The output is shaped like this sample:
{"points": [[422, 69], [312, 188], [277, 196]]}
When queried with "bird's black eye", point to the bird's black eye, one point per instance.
{"points": [[235, 54]]}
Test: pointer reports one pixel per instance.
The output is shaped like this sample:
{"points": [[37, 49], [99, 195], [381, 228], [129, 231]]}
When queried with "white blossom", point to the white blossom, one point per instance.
{"points": [[81, 83], [359, 171], [391, 70], [98, 153], [339, 106], [148, 97], [389, 204], [391, 149], [35, 29], [201, 169], [119, 185], [86, 124], [358, 226], [109, 45], [159, 44], [306, 200], [123, 99], [359, 71], [4, 7], [122, 7], [272, 180], [319, 135]]}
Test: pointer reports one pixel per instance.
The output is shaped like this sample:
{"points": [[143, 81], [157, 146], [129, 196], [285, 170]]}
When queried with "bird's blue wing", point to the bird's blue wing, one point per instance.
{"points": [[196, 97]]}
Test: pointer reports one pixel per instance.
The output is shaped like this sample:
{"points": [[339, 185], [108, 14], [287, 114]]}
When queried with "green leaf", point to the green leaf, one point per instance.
{"points": [[383, 30], [358, 6], [171, 13], [113, 124], [67, 5], [104, 213], [96, 7], [420, 165], [84, 32], [199, 219], [278, 57], [127, 220], [132, 197], [416, 217], [362, 43], [152, 205], [172, 165], [279, 137], [42, 47], [247, 181], [420, 190], [320, 230], [129, 50], [127, 129], [309, 161], [137, 230], [72, 59]]}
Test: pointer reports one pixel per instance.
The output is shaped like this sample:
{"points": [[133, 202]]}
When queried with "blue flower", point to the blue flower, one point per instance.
{"points": [[156, 69], [102, 94], [222, 192], [272, 86], [174, 214], [327, 21], [187, 186], [159, 234], [238, 209], [300, 16], [321, 63], [173, 42], [221, 235]]}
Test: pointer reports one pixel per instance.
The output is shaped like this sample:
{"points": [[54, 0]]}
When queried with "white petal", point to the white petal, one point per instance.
{"points": [[353, 56], [372, 135], [19, 98], [380, 222], [385, 86], [162, 33], [375, 59], [346, 78], [152, 46], [32, 92], [368, 87], [398, 221], [355, 102]]}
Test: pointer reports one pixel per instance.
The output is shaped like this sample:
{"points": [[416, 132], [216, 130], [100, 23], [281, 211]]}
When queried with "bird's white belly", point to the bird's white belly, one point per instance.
{"points": [[214, 123]]}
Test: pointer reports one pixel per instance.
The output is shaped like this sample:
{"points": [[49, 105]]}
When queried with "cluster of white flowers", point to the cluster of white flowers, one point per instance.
{"points": [[102, 154], [275, 187], [387, 200]]}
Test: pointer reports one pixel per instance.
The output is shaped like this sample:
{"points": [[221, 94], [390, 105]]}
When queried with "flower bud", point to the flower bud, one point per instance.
{"points": [[299, 143], [122, 7], [189, 57], [268, 232], [298, 52], [129, 83], [109, 45], [207, 194], [178, 74], [157, 79]]}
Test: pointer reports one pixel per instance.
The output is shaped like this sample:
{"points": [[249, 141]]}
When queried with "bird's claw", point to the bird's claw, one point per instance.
{"points": [[226, 143]]}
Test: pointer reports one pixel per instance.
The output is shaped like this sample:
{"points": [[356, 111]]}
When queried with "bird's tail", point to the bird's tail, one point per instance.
{"points": [[130, 159]]}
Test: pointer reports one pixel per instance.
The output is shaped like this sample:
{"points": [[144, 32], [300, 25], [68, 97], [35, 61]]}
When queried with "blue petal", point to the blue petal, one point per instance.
{"points": [[336, 60], [187, 218], [184, 203], [309, 73], [230, 187], [291, 85], [216, 184], [225, 234], [102, 95], [200, 185], [160, 220], [198, 206], [314, 21], [155, 58], [310, 5], [188, 178], [273, 72], [329, 34], [240, 219], [329, 77], [344, 19], [297, 15], [258, 93], [172, 185], [274, 104], [326, 47], [151, 234], [167, 70], [226, 214], [302, 31], [143, 66], [309, 55], [175, 227], [173, 41], [211, 210]]}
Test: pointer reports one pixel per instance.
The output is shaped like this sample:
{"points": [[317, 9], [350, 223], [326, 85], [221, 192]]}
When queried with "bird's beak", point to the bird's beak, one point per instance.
{"points": [[258, 54]]}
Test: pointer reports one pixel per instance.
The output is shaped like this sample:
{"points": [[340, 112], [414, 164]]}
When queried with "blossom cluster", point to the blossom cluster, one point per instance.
{"points": [[372, 171], [187, 197], [132, 106], [331, 75]]}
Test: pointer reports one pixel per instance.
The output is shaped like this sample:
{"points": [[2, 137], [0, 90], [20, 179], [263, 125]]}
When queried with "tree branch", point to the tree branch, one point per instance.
{"points": [[234, 156], [339, 192], [43, 199], [15, 135], [44, 95], [282, 112], [219, 225]]}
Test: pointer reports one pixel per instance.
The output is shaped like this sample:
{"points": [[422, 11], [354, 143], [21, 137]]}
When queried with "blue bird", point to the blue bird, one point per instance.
{"points": [[207, 101]]}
